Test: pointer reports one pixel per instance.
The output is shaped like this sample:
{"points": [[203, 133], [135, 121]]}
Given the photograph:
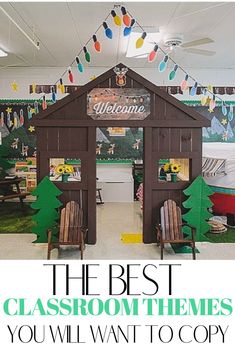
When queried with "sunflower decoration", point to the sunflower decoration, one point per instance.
{"points": [[59, 169], [64, 169], [175, 168], [166, 168], [68, 169]]}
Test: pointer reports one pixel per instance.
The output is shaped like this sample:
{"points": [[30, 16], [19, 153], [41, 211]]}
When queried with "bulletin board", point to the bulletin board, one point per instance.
{"points": [[16, 131], [222, 127]]}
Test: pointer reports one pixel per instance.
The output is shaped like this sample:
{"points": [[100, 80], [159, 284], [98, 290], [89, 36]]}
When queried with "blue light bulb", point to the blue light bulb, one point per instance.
{"points": [[193, 90], [109, 33], [53, 96], [79, 65], [163, 64], [127, 31]]}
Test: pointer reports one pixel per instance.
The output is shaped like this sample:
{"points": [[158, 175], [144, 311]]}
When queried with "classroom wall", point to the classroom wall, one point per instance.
{"points": [[26, 76]]}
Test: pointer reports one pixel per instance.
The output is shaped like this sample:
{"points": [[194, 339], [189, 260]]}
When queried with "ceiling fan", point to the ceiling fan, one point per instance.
{"points": [[173, 42]]}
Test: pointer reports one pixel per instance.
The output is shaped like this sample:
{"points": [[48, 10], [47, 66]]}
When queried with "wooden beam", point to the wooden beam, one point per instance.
{"points": [[122, 123]]}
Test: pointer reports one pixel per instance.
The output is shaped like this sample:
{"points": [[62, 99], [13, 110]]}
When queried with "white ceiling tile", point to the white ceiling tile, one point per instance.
{"points": [[62, 35]]}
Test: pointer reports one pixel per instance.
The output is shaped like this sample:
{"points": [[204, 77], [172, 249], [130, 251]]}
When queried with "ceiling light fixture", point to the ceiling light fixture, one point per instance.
{"points": [[2, 53], [35, 44]]}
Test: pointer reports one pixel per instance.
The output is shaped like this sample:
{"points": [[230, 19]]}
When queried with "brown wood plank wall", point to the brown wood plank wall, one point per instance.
{"points": [[57, 142], [173, 143], [105, 84]]}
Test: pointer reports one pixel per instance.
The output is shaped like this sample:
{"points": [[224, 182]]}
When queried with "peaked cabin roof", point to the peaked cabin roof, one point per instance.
{"points": [[189, 111]]}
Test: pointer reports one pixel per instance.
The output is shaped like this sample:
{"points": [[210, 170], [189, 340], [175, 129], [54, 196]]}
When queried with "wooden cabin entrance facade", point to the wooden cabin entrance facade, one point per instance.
{"points": [[67, 129]]}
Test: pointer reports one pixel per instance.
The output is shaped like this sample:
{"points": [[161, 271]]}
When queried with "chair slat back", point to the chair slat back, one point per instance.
{"points": [[171, 222], [71, 218]]}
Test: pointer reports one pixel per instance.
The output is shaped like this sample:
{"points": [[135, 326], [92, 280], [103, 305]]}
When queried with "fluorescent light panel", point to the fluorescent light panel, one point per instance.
{"points": [[150, 41], [2, 53], [35, 44]]}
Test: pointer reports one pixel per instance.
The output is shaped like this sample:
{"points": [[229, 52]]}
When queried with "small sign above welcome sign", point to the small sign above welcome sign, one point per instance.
{"points": [[118, 103]]}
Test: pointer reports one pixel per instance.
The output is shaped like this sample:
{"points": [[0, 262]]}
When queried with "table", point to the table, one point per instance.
{"points": [[6, 186], [116, 182]]}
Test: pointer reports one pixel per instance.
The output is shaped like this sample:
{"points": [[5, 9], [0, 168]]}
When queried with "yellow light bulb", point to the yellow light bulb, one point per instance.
{"points": [[203, 100], [208, 100], [33, 87], [139, 43], [117, 21], [210, 88]]}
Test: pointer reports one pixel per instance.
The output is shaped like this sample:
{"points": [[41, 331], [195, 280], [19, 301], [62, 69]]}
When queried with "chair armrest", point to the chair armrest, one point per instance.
{"points": [[84, 229], [49, 235], [192, 228], [158, 227]]}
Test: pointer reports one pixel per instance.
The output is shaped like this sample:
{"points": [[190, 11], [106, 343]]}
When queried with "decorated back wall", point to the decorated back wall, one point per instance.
{"points": [[18, 135], [222, 127], [16, 131]]}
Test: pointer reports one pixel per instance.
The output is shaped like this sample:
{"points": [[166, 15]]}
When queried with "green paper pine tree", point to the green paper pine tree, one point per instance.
{"points": [[4, 164], [47, 204], [198, 203]]}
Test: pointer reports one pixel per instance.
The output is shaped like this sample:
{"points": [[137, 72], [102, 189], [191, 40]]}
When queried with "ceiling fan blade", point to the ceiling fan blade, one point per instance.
{"points": [[196, 42], [199, 51], [143, 55]]}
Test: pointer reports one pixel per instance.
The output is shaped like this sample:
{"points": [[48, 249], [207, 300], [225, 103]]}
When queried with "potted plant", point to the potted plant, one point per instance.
{"points": [[175, 168], [167, 170], [171, 170], [64, 170]]}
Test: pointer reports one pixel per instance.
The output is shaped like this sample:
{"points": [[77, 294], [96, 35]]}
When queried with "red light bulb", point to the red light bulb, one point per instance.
{"points": [[126, 20], [97, 44], [152, 54], [184, 83], [44, 102], [70, 75], [125, 17]]}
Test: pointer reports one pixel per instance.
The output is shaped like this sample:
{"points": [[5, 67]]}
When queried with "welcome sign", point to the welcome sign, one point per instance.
{"points": [[118, 103]]}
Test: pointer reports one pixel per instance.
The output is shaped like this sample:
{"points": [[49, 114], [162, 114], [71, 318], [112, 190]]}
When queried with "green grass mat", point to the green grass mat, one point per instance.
{"points": [[14, 218], [226, 237], [183, 249]]}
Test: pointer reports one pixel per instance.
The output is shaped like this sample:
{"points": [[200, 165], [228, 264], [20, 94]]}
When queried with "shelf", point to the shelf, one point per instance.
{"points": [[28, 174]]}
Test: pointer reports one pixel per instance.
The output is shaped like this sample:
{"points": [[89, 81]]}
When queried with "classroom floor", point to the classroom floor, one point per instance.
{"points": [[112, 220]]}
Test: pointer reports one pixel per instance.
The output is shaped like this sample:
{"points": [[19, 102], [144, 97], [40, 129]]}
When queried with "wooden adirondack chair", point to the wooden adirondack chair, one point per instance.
{"points": [[71, 230], [170, 229]]}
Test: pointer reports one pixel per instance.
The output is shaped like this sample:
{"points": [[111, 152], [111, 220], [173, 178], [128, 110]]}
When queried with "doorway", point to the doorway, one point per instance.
{"points": [[119, 173]]}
